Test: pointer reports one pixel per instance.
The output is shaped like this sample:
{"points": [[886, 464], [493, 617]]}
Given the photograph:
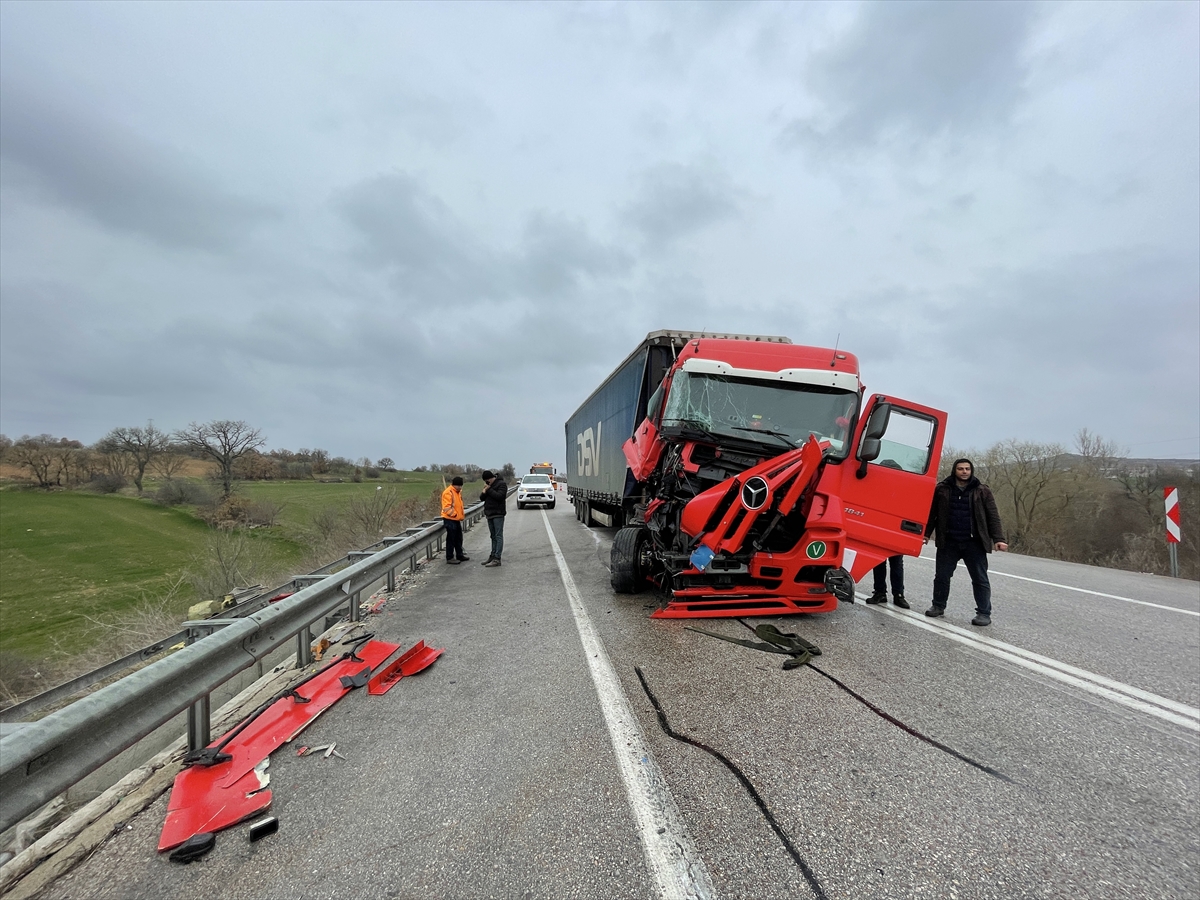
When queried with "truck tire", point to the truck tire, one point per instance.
{"points": [[520, 505], [551, 506], [585, 513], [625, 571]]}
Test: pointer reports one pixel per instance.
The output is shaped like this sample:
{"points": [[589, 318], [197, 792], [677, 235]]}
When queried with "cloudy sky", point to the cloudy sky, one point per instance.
{"points": [[429, 230]]}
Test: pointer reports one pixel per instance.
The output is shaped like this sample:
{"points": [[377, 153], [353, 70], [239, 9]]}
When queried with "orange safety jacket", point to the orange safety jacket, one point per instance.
{"points": [[452, 505]]}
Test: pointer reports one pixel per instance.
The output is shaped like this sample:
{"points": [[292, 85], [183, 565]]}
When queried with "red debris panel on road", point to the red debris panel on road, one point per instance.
{"points": [[213, 797], [415, 659]]}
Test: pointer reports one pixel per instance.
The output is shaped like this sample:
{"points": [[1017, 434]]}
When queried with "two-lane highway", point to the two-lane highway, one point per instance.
{"points": [[1054, 754]]}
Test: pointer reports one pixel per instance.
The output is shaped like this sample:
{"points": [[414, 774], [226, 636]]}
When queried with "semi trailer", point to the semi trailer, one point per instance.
{"points": [[748, 475]]}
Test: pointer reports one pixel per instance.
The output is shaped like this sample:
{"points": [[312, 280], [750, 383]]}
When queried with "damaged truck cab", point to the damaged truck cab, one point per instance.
{"points": [[749, 475]]}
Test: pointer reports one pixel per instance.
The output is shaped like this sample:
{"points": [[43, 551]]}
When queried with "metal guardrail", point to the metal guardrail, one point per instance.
{"points": [[46, 757]]}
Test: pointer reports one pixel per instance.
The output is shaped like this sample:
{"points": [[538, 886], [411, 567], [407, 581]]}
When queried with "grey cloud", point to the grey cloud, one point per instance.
{"points": [[675, 200], [918, 68], [410, 233], [558, 257], [100, 169]]}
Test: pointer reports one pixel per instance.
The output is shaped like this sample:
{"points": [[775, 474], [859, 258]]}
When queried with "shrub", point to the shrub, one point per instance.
{"points": [[173, 493], [228, 512], [107, 483]]}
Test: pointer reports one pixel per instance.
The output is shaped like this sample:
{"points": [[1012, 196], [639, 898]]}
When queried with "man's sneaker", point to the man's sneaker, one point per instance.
{"points": [[878, 597], [899, 600], [492, 563], [981, 620], [934, 611], [452, 562], [464, 559], [488, 560]]}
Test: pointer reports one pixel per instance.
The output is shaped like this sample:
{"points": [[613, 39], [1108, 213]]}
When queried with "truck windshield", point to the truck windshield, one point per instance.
{"points": [[774, 413]]}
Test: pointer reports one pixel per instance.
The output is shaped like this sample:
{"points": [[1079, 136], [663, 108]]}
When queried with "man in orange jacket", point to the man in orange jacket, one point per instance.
{"points": [[452, 518]]}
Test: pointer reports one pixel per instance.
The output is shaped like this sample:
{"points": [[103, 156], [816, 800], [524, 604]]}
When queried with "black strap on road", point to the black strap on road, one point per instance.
{"points": [[773, 641]]}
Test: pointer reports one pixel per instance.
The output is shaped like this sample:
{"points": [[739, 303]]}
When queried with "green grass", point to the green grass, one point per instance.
{"points": [[69, 555], [66, 555], [299, 500]]}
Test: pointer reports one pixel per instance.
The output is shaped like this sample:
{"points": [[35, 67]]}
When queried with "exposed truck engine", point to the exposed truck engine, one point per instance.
{"points": [[748, 475]]}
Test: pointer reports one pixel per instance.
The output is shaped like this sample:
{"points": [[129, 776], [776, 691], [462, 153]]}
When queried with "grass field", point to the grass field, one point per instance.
{"points": [[69, 555], [299, 500]]}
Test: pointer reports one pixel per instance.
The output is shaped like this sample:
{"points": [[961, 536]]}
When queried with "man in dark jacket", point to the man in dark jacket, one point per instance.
{"points": [[495, 505], [967, 526]]}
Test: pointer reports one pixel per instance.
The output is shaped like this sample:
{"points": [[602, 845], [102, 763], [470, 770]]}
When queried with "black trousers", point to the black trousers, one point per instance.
{"points": [[897, 566], [454, 539]]}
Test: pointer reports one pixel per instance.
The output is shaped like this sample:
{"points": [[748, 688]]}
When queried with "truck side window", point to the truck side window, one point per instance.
{"points": [[652, 408], [906, 443]]}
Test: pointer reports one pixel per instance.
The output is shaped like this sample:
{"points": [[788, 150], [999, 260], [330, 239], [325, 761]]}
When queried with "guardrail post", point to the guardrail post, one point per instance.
{"points": [[355, 612], [304, 646], [199, 718], [199, 733], [391, 580]]}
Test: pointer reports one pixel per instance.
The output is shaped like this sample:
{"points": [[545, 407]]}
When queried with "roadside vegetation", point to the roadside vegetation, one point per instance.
{"points": [[104, 548], [1090, 504]]}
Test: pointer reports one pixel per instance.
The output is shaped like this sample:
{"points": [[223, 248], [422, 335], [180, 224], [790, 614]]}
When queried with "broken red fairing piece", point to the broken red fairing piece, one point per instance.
{"points": [[415, 659], [209, 798]]}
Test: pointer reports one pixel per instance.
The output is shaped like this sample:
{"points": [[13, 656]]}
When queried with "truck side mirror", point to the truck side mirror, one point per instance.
{"points": [[871, 445], [878, 423]]}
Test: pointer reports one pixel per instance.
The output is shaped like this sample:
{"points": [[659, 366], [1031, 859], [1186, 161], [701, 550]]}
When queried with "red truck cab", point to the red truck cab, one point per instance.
{"points": [[768, 483]]}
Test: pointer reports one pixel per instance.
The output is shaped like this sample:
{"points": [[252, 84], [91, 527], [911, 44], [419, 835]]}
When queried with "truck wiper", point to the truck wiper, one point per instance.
{"points": [[690, 428], [782, 435]]}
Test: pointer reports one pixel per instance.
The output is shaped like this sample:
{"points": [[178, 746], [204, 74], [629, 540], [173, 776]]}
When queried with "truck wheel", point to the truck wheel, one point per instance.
{"points": [[520, 505], [626, 573], [585, 513], [551, 506]]}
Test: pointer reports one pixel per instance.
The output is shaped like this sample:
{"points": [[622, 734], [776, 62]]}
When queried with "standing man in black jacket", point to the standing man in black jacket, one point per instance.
{"points": [[495, 505], [967, 525]]}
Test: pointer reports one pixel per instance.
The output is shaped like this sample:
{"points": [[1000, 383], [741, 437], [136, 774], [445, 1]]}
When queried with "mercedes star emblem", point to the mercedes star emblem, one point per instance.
{"points": [[754, 493]]}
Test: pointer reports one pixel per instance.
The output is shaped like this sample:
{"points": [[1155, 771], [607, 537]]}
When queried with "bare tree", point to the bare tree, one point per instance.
{"points": [[141, 444], [1025, 474], [1098, 455], [224, 442], [168, 464], [46, 457]]}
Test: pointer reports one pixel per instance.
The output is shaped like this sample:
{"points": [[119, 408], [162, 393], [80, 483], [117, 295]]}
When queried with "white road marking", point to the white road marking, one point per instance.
{"points": [[675, 866], [1067, 587], [1098, 685]]}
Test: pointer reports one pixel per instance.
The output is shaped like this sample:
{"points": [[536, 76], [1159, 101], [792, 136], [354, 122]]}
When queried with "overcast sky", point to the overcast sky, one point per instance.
{"points": [[429, 230]]}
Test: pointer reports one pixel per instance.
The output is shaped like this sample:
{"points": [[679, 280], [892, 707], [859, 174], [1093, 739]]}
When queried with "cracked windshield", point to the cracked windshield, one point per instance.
{"points": [[770, 412]]}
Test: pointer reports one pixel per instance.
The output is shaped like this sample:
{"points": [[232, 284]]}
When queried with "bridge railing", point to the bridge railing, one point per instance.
{"points": [[41, 759]]}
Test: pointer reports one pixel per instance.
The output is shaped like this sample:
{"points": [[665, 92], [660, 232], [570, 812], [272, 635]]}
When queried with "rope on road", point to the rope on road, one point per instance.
{"points": [[875, 709], [890, 718], [809, 876]]}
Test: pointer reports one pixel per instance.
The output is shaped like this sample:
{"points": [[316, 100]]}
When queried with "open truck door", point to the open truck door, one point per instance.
{"points": [[887, 485]]}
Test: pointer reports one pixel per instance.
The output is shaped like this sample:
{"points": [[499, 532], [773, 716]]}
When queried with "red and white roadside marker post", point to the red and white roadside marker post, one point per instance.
{"points": [[1171, 497]]}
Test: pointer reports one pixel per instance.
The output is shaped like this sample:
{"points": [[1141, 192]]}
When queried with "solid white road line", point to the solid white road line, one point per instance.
{"points": [[1067, 587], [1097, 685], [676, 868]]}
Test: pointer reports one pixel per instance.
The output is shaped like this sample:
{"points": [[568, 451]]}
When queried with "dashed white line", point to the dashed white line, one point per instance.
{"points": [[676, 868]]}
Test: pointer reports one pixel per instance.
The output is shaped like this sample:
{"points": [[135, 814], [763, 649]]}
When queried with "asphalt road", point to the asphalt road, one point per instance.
{"points": [[1053, 754]]}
